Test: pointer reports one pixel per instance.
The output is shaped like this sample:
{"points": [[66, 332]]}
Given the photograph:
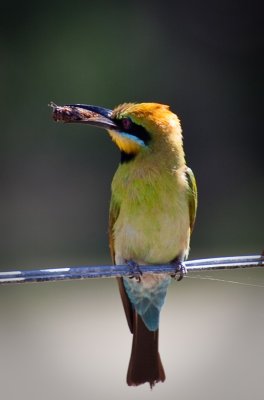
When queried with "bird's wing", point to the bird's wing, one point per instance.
{"points": [[192, 196], [113, 215]]}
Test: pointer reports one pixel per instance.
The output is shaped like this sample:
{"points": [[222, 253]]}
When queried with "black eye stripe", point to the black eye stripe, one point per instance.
{"points": [[128, 126], [126, 123]]}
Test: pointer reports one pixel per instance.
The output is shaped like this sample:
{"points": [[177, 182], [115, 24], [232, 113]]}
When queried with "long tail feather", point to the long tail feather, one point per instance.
{"points": [[145, 363]]}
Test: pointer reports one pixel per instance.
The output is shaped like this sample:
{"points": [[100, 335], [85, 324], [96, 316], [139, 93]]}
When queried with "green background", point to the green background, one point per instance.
{"points": [[204, 59]]}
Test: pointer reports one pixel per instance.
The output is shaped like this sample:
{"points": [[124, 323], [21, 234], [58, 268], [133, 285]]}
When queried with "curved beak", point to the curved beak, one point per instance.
{"points": [[84, 113]]}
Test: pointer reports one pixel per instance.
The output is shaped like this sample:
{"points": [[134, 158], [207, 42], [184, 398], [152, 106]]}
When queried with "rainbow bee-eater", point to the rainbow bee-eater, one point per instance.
{"points": [[152, 213]]}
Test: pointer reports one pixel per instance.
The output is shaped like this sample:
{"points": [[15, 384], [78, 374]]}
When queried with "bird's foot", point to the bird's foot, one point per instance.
{"points": [[180, 269], [134, 270]]}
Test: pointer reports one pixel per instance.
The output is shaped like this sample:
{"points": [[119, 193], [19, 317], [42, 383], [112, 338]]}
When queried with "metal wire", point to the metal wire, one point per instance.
{"points": [[110, 271]]}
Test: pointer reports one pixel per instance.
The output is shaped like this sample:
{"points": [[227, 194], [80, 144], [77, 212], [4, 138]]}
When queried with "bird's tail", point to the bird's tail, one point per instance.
{"points": [[145, 363]]}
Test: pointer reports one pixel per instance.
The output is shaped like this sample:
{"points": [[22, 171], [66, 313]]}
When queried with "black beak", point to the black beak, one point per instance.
{"points": [[101, 116], [85, 114]]}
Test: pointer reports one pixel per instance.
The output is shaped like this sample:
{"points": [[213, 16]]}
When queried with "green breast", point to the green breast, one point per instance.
{"points": [[152, 224]]}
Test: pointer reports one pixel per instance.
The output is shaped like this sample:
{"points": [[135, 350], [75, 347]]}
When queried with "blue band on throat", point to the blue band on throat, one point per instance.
{"points": [[135, 139]]}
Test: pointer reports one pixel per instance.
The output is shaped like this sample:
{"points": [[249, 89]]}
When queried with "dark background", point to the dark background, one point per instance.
{"points": [[204, 59]]}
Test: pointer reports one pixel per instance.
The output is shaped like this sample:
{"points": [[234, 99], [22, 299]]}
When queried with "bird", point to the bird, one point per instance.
{"points": [[152, 213]]}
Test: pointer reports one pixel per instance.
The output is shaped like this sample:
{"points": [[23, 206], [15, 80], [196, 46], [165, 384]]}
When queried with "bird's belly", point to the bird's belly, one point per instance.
{"points": [[152, 237]]}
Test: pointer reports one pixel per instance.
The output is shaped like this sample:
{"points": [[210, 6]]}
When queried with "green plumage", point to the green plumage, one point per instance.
{"points": [[152, 214]]}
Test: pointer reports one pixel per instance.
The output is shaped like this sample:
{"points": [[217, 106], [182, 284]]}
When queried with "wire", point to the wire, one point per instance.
{"points": [[110, 271]]}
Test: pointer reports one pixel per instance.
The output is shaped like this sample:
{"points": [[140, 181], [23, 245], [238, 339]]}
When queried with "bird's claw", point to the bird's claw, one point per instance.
{"points": [[180, 270], [134, 270]]}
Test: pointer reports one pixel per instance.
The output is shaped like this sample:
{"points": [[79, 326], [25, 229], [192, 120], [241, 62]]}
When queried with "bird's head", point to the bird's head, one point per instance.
{"points": [[141, 128]]}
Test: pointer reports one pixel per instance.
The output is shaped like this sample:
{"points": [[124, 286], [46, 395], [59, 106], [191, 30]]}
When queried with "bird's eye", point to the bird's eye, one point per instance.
{"points": [[126, 123]]}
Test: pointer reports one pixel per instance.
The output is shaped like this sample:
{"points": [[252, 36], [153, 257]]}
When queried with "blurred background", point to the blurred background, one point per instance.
{"points": [[204, 59]]}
